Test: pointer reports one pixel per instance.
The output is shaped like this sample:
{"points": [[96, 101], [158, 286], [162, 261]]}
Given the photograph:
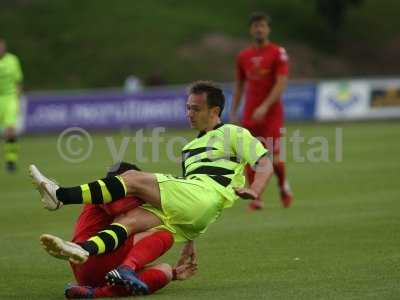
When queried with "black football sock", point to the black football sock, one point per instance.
{"points": [[11, 150], [97, 192], [106, 240]]}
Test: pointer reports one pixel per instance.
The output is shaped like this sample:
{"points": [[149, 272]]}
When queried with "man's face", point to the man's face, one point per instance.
{"points": [[3, 48], [260, 30], [198, 112]]}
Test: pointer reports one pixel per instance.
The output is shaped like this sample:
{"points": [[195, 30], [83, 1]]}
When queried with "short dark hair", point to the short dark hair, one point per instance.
{"points": [[121, 167], [215, 95], [259, 16]]}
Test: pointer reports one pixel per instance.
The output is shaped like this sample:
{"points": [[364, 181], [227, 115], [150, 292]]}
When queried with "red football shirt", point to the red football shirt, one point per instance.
{"points": [[259, 68]]}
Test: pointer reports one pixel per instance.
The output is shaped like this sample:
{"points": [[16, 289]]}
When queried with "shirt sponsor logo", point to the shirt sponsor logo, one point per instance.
{"points": [[256, 60], [257, 71]]}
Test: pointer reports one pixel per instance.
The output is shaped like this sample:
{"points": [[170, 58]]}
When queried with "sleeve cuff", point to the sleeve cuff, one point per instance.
{"points": [[266, 154]]}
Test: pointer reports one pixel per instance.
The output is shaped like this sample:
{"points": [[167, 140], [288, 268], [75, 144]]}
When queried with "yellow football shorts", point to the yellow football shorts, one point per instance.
{"points": [[9, 107], [189, 206]]}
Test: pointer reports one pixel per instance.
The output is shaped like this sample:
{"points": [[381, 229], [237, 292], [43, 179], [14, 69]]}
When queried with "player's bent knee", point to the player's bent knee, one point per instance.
{"points": [[127, 221], [132, 180], [135, 181], [131, 222], [131, 175], [167, 238]]}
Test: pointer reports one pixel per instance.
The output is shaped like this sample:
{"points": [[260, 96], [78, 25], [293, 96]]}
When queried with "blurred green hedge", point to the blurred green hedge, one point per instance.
{"points": [[79, 44]]}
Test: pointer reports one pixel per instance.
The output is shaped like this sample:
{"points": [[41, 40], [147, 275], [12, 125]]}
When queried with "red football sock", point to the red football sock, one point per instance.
{"points": [[111, 291], [279, 169], [148, 249], [154, 278]]}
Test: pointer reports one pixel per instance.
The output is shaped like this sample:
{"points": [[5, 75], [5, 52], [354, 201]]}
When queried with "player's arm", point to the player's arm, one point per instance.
{"points": [[252, 151], [275, 94], [263, 173], [188, 254], [238, 91], [187, 263], [277, 91]]}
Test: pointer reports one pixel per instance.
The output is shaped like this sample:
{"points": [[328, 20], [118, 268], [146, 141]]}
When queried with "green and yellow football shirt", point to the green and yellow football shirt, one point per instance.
{"points": [[10, 75], [219, 157]]}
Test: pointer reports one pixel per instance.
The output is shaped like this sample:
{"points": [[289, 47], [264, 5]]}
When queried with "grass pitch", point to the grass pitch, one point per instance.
{"points": [[340, 239]]}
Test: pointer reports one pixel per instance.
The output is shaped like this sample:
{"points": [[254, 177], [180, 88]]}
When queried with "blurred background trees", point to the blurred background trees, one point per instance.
{"points": [[98, 43]]}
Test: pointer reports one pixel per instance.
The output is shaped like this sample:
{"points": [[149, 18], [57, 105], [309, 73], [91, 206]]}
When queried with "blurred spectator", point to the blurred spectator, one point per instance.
{"points": [[132, 84]]}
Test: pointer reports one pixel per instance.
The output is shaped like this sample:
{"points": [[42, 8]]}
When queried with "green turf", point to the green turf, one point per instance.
{"points": [[340, 240]]}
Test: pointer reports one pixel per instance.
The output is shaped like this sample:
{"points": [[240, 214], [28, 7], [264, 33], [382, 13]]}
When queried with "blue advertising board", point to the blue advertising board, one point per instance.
{"points": [[112, 110], [299, 101]]}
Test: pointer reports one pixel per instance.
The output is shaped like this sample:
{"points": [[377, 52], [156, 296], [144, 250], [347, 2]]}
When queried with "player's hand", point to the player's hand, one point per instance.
{"points": [[246, 193], [188, 254], [185, 271], [260, 112]]}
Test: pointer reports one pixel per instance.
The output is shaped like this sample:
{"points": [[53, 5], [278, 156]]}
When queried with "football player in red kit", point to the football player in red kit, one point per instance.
{"points": [[261, 73], [139, 249]]}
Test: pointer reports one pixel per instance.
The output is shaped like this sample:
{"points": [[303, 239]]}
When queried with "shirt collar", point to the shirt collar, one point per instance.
{"points": [[201, 133]]}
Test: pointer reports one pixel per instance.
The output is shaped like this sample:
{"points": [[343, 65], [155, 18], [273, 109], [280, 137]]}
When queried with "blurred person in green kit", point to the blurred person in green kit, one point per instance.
{"points": [[10, 90]]}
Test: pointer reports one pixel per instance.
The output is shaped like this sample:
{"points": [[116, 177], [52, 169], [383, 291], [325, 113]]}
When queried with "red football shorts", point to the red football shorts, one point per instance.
{"points": [[269, 133]]}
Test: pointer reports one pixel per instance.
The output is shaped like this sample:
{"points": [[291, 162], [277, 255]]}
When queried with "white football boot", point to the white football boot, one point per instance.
{"points": [[61, 249], [46, 187]]}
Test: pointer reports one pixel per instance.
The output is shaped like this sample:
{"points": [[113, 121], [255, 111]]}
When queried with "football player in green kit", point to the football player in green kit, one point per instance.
{"points": [[10, 89], [213, 179]]}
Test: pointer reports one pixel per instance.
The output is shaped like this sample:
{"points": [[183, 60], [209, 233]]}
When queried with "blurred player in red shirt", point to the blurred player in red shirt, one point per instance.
{"points": [[261, 72]]}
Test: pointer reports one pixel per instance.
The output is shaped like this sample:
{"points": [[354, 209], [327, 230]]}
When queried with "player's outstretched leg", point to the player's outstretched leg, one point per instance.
{"points": [[107, 240], [98, 192], [136, 183]]}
